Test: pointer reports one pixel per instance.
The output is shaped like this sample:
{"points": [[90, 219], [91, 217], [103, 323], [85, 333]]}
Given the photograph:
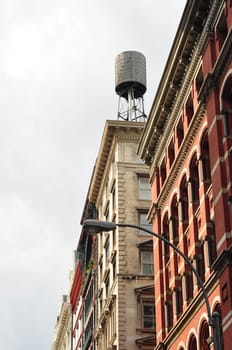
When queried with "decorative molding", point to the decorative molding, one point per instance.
{"points": [[179, 161], [115, 130]]}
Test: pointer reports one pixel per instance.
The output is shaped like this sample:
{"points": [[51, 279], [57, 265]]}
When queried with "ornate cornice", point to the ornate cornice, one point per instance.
{"points": [[62, 325], [176, 79], [159, 126], [115, 130]]}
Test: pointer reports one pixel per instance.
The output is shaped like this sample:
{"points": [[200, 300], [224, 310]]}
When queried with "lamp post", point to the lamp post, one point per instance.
{"points": [[96, 226]]}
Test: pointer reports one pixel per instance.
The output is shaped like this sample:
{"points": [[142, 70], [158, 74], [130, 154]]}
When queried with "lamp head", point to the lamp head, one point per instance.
{"points": [[96, 226]]}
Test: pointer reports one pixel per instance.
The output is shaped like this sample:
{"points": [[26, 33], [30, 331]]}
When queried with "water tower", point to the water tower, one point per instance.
{"points": [[130, 85]]}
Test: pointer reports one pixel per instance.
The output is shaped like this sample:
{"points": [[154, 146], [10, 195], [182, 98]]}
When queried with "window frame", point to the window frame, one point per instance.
{"points": [[143, 263]]}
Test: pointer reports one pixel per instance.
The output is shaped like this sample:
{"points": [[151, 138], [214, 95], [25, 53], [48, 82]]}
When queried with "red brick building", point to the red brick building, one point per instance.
{"points": [[187, 142]]}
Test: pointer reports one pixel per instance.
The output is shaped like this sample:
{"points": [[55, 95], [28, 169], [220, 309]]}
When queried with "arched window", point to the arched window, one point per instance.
{"points": [[204, 335], [184, 201], [205, 160], [165, 233], [171, 153], [218, 309], [163, 172], [189, 109], [226, 110], [194, 180], [192, 343], [174, 221], [180, 132]]}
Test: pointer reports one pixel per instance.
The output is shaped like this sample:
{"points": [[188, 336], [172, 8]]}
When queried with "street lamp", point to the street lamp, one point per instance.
{"points": [[96, 226]]}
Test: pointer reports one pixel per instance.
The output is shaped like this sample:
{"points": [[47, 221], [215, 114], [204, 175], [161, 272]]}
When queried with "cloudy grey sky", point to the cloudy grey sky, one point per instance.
{"points": [[57, 89]]}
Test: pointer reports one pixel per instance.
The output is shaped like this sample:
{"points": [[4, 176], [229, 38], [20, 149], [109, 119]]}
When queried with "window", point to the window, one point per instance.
{"points": [[227, 107], [147, 264], [107, 283], [180, 132], [144, 223], [168, 314], [184, 205], [174, 220], [146, 309], [171, 153], [178, 301], [148, 315], [113, 197], [188, 286], [189, 109], [194, 180], [163, 172], [204, 335], [107, 250], [144, 188], [165, 227], [107, 211], [114, 269]]}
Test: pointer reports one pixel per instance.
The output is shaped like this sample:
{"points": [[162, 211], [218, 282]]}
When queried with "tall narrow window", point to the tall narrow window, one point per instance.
{"points": [[168, 314], [189, 109], [221, 31], [188, 286], [113, 200], [148, 315], [178, 301], [144, 223], [194, 180], [144, 188], [204, 335], [227, 107], [171, 153], [163, 172], [199, 80], [180, 132], [174, 220], [206, 172], [147, 263], [192, 343], [166, 247], [184, 202]]}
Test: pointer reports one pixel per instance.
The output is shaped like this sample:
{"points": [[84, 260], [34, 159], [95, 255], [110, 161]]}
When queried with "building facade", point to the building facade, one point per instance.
{"points": [[84, 287], [120, 191], [62, 334], [187, 143]]}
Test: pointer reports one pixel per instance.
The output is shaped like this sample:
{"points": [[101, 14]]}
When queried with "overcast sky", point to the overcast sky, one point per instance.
{"points": [[56, 91]]}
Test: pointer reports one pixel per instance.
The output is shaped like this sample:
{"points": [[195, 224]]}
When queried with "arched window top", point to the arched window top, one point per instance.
{"points": [[194, 180], [181, 347], [194, 161], [184, 181], [165, 217], [192, 343], [204, 137], [205, 158], [226, 105], [227, 90], [174, 200], [174, 219], [204, 335], [217, 308]]}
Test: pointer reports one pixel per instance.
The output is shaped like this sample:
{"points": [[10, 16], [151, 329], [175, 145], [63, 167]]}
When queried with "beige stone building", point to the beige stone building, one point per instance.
{"points": [[62, 334], [120, 190]]}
